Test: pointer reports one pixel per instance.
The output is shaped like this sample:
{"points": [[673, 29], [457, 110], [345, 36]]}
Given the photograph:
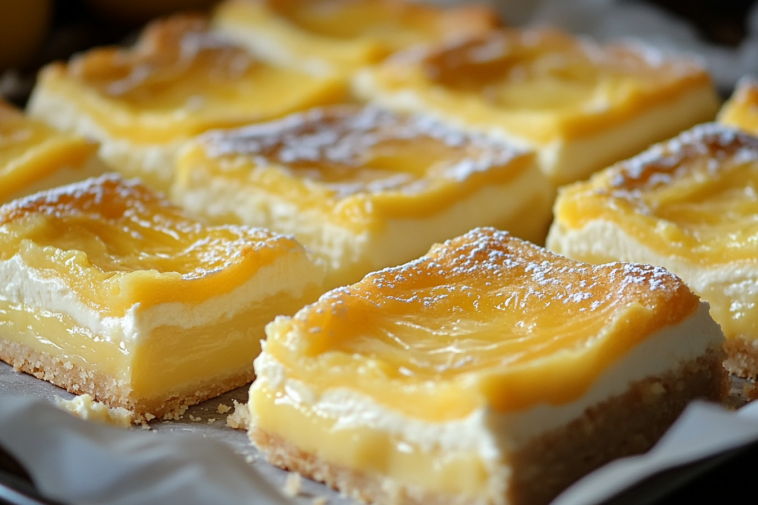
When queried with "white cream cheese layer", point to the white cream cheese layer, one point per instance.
{"points": [[523, 203], [488, 432], [152, 161], [19, 283], [561, 160]]}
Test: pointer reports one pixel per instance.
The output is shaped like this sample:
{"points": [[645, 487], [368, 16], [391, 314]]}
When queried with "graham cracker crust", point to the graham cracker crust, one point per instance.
{"points": [[104, 388], [742, 357], [620, 426]]}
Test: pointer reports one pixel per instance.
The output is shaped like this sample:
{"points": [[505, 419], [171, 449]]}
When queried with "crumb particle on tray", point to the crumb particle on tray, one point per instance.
{"points": [[240, 418], [293, 485], [320, 500], [223, 409], [86, 407]]}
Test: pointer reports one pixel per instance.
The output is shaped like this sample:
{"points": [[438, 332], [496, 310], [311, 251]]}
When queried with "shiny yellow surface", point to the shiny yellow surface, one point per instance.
{"points": [[540, 84], [694, 198], [116, 243], [741, 111], [30, 151], [347, 33], [363, 449], [483, 320], [180, 80], [359, 167]]}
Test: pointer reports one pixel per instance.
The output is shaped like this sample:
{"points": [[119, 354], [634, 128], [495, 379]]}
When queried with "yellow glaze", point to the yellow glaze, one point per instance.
{"points": [[741, 111], [180, 80], [694, 197], [540, 84], [115, 243], [483, 320], [693, 200], [31, 151], [347, 34], [358, 167]]}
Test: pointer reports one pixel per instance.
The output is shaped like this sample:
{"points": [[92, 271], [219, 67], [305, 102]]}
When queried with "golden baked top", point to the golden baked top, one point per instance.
{"points": [[356, 163], [346, 34], [116, 244], [483, 319], [31, 150], [694, 197], [741, 110], [537, 83], [179, 80]]}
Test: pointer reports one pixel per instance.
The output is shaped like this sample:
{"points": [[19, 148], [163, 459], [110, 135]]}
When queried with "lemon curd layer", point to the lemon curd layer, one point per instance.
{"points": [[549, 91], [362, 188], [33, 156], [344, 35], [107, 276], [177, 81], [690, 205], [741, 111], [436, 373]]}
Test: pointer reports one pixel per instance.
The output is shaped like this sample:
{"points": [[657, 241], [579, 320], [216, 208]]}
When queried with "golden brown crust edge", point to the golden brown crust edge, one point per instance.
{"points": [[104, 388], [627, 424]]}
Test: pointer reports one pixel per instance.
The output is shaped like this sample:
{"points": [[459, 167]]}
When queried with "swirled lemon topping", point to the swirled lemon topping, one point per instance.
{"points": [[694, 197], [539, 84], [742, 109], [116, 244], [484, 319], [344, 34], [31, 151], [357, 165], [179, 80]]}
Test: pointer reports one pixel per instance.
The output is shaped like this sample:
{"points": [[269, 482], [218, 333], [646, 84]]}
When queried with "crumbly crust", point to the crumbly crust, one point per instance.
{"points": [[623, 425], [742, 357], [104, 388]]}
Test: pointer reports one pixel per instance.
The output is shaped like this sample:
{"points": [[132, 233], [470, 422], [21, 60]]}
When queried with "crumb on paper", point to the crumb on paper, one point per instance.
{"points": [[293, 485], [249, 459], [145, 426], [176, 414], [149, 417], [211, 420], [85, 407], [223, 409], [320, 500], [194, 419], [240, 418]]}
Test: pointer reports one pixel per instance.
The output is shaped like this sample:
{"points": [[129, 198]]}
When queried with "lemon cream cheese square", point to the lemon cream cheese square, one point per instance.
{"points": [[690, 205], [107, 289], [178, 80], [362, 188], [580, 105], [489, 371], [34, 156], [341, 36]]}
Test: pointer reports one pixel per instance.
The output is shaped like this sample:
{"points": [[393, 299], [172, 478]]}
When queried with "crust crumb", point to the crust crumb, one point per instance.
{"points": [[85, 407], [293, 485], [223, 409], [320, 500], [240, 418]]}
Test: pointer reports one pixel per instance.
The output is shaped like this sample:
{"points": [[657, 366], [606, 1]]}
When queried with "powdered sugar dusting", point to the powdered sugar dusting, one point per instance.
{"points": [[346, 136], [711, 143]]}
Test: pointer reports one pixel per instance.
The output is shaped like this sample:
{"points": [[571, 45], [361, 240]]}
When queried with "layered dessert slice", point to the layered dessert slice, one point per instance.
{"points": [[741, 111], [489, 371], [580, 105], [340, 36], [178, 80], [690, 205], [107, 289], [362, 188], [34, 156]]}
